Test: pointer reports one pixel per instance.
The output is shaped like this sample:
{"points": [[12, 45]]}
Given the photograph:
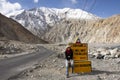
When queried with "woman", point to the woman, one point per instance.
{"points": [[69, 60]]}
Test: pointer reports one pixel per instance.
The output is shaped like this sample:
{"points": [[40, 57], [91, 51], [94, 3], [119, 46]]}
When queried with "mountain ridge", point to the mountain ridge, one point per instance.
{"points": [[40, 20], [48, 26], [12, 30], [99, 31]]}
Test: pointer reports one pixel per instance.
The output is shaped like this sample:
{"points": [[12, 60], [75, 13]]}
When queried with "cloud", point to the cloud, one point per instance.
{"points": [[74, 1], [69, 3], [7, 7], [36, 1]]}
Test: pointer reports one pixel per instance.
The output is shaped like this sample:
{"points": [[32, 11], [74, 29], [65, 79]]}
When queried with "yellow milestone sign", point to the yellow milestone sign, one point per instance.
{"points": [[82, 66], [80, 51]]}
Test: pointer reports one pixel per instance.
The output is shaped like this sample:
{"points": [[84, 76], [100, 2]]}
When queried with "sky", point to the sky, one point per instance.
{"points": [[101, 8]]}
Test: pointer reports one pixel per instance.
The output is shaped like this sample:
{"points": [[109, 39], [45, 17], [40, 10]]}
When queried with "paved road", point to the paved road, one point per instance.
{"points": [[8, 67]]}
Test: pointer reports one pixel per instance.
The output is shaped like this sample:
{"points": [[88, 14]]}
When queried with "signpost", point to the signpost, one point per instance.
{"points": [[80, 51], [80, 56]]}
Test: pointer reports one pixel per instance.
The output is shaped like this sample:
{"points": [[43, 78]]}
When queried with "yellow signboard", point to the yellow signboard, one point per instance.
{"points": [[82, 66], [79, 45], [80, 51], [80, 56]]}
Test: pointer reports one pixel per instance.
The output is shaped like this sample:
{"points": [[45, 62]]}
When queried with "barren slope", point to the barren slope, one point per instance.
{"points": [[15, 31], [99, 31]]}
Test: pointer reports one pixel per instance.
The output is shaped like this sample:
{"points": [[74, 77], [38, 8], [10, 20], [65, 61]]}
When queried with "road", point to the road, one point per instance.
{"points": [[12, 66]]}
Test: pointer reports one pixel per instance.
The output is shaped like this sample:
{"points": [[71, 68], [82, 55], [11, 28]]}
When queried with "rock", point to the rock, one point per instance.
{"points": [[92, 51], [18, 51], [117, 55], [62, 66], [12, 51], [59, 69], [54, 60], [7, 52], [5, 46], [12, 46], [1, 53], [118, 62], [36, 49], [26, 74], [31, 70], [31, 76], [41, 66], [99, 56], [113, 52], [1, 48], [40, 75], [105, 52], [99, 78], [91, 56], [61, 55], [100, 49], [113, 76], [107, 57], [36, 67], [96, 53], [31, 47], [5, 57]]}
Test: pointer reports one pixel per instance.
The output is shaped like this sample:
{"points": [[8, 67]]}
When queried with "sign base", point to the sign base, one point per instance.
{"points": [[82, 66]]}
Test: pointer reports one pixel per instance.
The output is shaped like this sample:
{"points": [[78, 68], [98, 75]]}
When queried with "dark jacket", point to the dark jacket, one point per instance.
{"points": [[69, 54]]}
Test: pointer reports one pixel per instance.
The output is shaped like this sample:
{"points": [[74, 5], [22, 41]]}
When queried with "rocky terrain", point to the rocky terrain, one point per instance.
{"points": [[105, 62], [90, 31], [11, 48], [53, 68]]}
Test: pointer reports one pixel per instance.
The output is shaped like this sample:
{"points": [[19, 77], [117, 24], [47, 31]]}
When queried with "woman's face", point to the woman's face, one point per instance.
{"points": [[68, 48]]}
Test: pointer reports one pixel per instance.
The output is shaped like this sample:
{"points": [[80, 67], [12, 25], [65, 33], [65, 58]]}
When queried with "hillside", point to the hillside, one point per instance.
{"points": [[41, 20], [12, 30], [99, 31], [61, 25]]}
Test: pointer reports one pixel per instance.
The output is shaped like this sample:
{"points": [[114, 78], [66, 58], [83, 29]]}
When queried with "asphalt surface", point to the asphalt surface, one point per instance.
{"points": [[9, 67]]}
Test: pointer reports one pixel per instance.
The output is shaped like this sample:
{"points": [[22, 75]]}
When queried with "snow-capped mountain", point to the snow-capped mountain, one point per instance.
{"points": [[39, 20]]}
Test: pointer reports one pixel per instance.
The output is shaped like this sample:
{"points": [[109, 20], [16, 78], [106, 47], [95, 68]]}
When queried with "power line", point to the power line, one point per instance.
{"points": [[91, 7], [83, 8]]}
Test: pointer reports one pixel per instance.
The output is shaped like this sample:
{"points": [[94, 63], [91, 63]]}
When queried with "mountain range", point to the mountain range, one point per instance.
{"points": [[61, 25], [40, 20]]}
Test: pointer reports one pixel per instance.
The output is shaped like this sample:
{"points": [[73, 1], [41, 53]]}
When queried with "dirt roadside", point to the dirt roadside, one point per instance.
{"points": [[53, 68]]}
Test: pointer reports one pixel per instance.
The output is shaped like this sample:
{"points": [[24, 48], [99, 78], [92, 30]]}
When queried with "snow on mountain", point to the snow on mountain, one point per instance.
{"points": [[75, 14], [40, 20]]}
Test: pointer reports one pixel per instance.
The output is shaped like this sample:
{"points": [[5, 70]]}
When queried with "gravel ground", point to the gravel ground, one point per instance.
{"points": [[53, 68], [15, 48]]}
